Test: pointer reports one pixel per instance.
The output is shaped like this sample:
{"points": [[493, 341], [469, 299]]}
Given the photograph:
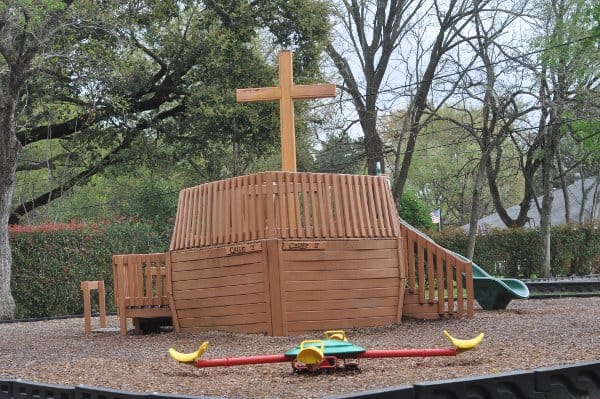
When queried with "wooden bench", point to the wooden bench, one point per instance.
{"points": [[141, 289]]}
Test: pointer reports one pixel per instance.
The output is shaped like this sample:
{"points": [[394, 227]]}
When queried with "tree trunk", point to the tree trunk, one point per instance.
{"points": [[529, 168], [19, 46], [546, 211], [563, 185], [7, 303], [366, 106], [372, 143], [595, 208], [237, 163], [475, 207], [417, 109], [545, 225], [8, 169]]}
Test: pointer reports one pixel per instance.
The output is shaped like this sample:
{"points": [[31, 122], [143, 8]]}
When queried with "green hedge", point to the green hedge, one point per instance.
{"points": [[575, 250], [50, 261]]}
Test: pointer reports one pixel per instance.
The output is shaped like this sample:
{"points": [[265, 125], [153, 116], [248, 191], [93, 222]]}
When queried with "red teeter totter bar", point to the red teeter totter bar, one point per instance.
{"points": [[369, 354]]}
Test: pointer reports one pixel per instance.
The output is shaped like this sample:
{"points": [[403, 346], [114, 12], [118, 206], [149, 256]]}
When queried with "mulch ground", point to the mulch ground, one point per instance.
{"points": [[529, 334]]}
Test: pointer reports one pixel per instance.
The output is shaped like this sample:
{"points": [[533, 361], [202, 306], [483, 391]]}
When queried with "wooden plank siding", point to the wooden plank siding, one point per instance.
{"points": [[280, 287], [341, 283], [223, 288]]}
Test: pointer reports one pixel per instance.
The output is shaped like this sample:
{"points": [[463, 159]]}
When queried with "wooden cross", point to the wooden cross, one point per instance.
{"points": [[286, 93]]}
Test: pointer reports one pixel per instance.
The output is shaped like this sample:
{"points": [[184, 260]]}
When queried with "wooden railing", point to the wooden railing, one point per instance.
{"points": [[284, 205], [437, 276], [141, 286]]}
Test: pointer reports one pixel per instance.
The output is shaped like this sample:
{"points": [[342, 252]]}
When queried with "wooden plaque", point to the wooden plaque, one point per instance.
{"points": [[240, 249], [304, 245]]}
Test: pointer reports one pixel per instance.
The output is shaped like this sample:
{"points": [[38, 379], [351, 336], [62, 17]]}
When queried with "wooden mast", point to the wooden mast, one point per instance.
{"points": [[286, 93]]}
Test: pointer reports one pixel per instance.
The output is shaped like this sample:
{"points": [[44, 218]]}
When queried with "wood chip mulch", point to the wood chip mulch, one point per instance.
{"points": [[529, 334]]}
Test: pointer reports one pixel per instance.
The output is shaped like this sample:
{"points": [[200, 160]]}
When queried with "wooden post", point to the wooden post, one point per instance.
{"points": [[276, 302], [286, 93], [401, 253]]}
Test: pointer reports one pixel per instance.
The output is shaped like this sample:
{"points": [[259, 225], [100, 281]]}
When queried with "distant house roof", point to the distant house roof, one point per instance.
{"points": [[576, 195]]}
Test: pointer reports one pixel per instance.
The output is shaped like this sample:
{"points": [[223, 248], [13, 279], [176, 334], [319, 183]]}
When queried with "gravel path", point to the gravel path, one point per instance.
{"points": [[530, 334]]}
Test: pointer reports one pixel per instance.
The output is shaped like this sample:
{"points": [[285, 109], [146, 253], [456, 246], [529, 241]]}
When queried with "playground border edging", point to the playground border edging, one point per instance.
{"points": [[517, 384], [579, 380]]}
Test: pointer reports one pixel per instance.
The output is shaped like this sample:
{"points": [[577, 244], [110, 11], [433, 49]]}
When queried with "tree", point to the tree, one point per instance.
{"points": [[374, 32], [26, 31], [109, 82], [339, 153], [446, 159], [498, 93], [414, 211], [417, 35], [567, 79], [145, 75], [558, 87]]}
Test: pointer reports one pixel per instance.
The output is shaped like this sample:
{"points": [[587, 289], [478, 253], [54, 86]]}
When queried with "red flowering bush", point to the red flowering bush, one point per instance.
{"points": [[50, 227]]}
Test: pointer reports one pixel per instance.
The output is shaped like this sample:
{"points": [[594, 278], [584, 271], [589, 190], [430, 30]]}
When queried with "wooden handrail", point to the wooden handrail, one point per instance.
{"points": [[284, 205], [435, 273]]}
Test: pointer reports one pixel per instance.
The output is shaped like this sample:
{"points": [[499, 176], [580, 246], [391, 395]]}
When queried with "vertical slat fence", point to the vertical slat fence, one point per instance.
{"points": [[437, 276], [284, 205]]}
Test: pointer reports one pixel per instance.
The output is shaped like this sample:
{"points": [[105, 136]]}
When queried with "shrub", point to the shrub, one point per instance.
{"points": [[414, 211], [50, 261], [575, 250]]}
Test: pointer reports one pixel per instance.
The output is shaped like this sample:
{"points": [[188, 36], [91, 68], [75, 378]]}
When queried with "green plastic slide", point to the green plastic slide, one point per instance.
{"points": [[494, 293]]}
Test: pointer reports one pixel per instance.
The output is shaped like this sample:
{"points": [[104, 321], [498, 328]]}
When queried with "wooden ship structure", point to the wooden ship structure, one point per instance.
{"points": [[285, 252], [282, 252]]}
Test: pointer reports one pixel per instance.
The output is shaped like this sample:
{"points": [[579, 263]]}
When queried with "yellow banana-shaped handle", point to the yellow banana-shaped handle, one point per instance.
{"points": [[188, 357], [464, 344]]}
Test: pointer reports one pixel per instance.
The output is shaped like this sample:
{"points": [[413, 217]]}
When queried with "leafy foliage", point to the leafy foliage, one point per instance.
{"points": [[139, 195], [51, 260], [575, 250], [153, 83], [445, 161], [340, 154], [415, 211]]}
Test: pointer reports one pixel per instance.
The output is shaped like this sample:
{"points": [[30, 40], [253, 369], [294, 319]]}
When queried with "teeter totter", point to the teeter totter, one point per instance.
{"points": [[332, 353]]}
